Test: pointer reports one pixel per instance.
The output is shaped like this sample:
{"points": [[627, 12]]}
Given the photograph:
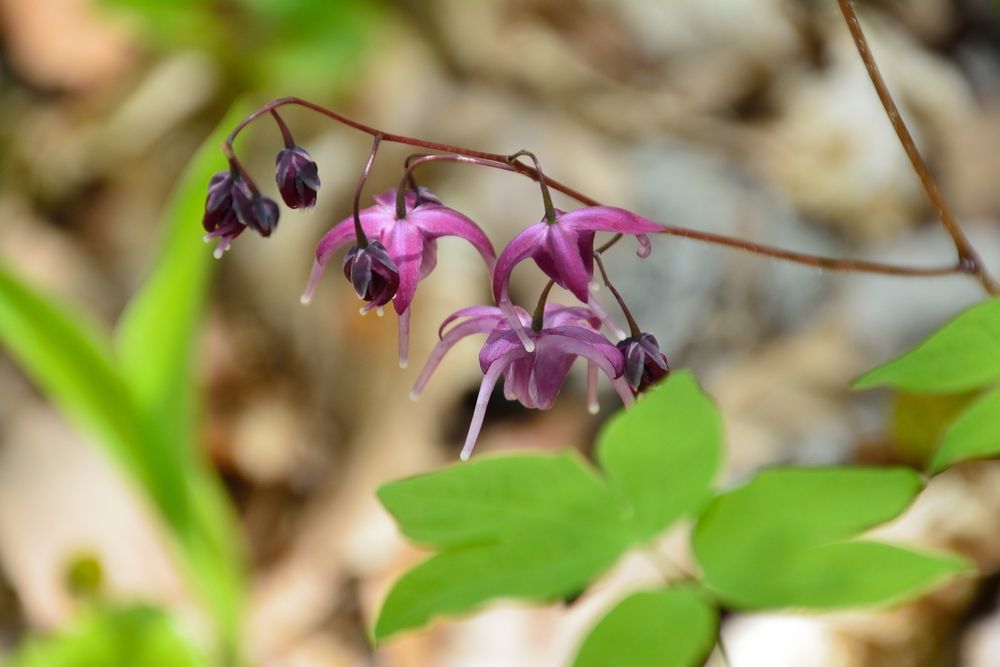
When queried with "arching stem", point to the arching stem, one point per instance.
{"points": [[414, 161], [538, 319], [633, 327], [968, 259], [359, 232], [550, 210]]}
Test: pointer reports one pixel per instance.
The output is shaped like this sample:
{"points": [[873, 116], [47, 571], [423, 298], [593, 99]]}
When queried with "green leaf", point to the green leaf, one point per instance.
{"points": [[663, 454], [531, 526], [962, 355], [66, 355], [156, 344], [540, 567], [778, 541], [674, 627], [156, 336], [135, 636], [974, 435], [494, 498]]}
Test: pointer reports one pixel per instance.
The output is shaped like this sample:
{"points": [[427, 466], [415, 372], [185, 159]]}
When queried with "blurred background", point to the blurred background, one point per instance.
{"points": [[752, 118]]}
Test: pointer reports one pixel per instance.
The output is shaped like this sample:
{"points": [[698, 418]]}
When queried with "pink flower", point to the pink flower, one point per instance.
{"points": [[532, 377], [410, 241], [564, 250]]}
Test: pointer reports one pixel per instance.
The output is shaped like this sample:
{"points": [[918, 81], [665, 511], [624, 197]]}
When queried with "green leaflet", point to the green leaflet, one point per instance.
{"points": [[663, 454], [543, 527], [779, 541], [962, 355], [975, 434], [673, 627]]}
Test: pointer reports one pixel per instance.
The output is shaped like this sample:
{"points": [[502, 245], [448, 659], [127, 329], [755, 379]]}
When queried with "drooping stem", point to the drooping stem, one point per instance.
{"points": [[832, 264], [414, 161], [632, 325], [359, 232], [538, 319], [286, 134], [968, 259], [550, 210]]}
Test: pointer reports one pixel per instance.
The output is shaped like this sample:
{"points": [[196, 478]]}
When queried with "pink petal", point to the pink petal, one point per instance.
{"points": [[570, 271], [405, 244], [608, 219], [519, 249], [337, 237], [455, 334], [438, 221], [404, 338], [471, 311], [490, 378]]}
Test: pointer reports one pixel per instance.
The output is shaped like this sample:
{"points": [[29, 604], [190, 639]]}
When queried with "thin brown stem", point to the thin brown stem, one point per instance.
{"points": [[359, 232], [632, 324], [413, 161], [550, 210], [286, 134], [968, 259], [538, 319], [832, 264]]}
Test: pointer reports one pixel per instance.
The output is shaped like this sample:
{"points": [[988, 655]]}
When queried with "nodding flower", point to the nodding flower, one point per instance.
{"points": [[410, 242], [645, 365], [535, 377], [297, 177], [564, 250], [232, 205]]}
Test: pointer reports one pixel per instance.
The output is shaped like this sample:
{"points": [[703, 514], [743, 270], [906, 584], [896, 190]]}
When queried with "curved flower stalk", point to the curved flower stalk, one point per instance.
{"points": [[534, 378], [410, 241], [564, 250]]}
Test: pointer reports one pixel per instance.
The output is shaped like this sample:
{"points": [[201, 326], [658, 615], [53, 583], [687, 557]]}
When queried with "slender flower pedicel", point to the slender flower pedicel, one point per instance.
{"points": [[410, 241], [564, 250]]}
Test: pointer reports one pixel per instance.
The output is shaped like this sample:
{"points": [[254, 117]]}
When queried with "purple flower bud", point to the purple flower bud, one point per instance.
{"points": [[219, 201], [373, 274], [645, 365], [297, 177]]}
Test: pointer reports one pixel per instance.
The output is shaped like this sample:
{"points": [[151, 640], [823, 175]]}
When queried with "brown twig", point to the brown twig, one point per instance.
{"points": [[968, 259]]}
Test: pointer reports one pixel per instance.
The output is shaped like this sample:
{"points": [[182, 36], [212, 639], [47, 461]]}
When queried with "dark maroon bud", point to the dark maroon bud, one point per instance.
{"points": [[373, 274], [645, 365], [297, 177], [218, 203], [253, 209]]}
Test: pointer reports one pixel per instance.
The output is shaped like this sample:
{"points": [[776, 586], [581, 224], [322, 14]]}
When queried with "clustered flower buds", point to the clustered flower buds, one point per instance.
{"points": [[393, 246], [234, 204]]}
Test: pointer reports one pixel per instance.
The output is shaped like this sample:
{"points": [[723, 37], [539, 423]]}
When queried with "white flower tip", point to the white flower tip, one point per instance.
{"points": [[465, 454], [529, 345], [219, 252], [305, 299], [404, 363], [593, 408], [621, 335], [207, 237], [380, 311], [414, 395], [595, 287], [363, 310]]}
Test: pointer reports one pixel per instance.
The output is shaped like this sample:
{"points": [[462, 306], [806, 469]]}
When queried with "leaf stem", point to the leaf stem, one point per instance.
{"points": [[359, 232]]}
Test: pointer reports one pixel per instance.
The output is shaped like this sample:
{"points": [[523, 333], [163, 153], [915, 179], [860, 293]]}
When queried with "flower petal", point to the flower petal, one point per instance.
{"points": [[490, 378], [569, 270], [608, 219], [405, 244], [461, 330], [438, 221], [519, 249]]}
